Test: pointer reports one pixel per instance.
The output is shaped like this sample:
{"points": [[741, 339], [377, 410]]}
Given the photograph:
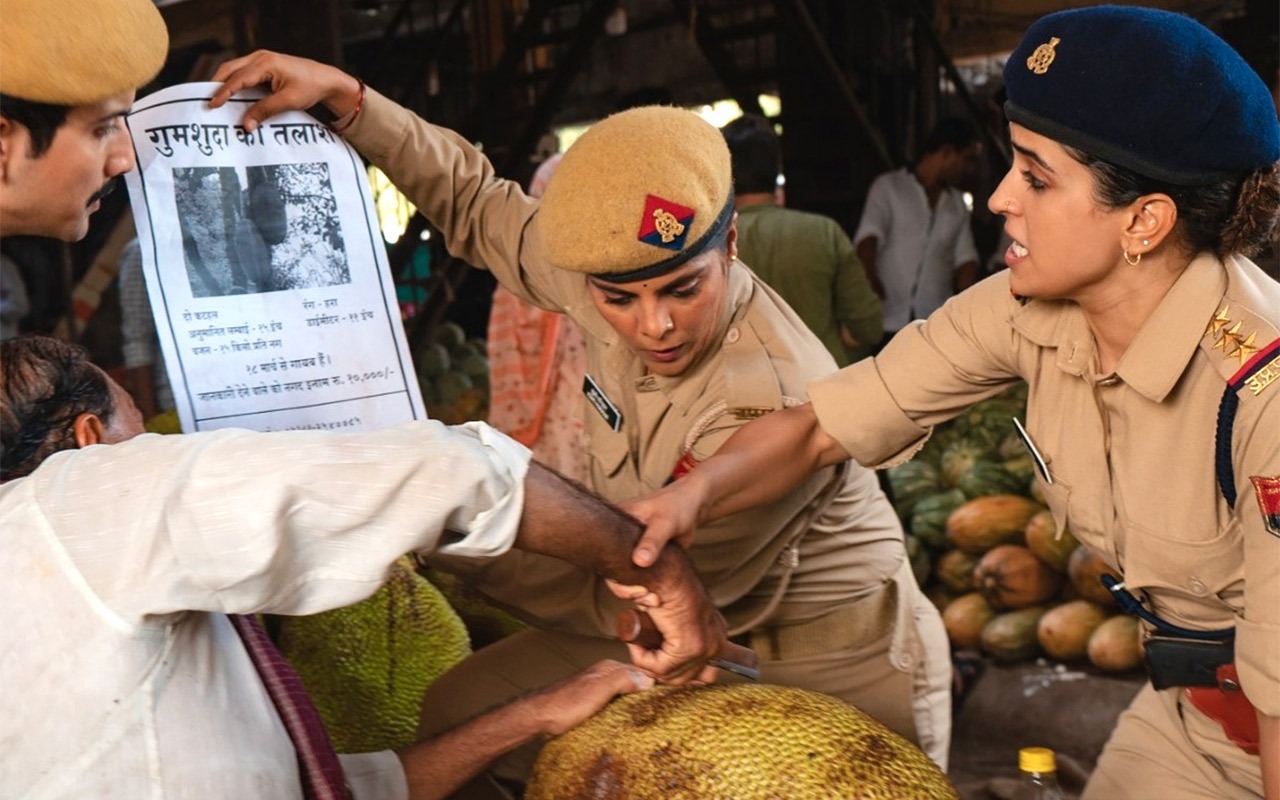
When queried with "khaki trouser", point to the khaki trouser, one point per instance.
{"points": [[1165, 749], [886, 654]]}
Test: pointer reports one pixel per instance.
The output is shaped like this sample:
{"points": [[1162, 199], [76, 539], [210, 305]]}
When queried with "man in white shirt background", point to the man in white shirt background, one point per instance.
{"points": [[914, 237]]}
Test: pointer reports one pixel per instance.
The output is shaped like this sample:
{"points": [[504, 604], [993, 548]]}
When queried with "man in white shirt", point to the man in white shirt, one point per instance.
{"points": [[127, 678], [914, 237]]}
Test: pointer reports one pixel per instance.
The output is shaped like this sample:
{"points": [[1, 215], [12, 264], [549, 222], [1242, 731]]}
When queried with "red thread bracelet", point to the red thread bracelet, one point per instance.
{"points": [[355, 112]]}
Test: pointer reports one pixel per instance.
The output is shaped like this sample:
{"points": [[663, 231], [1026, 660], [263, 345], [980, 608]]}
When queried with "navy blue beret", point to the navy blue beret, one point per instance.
{"points": [[1149, 90]]}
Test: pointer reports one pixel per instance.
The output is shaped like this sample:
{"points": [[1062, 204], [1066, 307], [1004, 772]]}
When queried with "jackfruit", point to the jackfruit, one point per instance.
{"points": [[733, 742], [485, 622], [367, 665]]}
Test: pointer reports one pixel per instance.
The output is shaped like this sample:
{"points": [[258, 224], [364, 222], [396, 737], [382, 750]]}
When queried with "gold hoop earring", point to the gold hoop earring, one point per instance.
{"points": [[1133, 262]]}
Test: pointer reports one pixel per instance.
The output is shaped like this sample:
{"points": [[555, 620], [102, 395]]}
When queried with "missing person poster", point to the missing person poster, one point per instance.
{"points": [[266, 270]]}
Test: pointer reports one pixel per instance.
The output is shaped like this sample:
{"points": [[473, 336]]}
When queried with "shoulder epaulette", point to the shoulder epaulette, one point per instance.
{"points": [[1246, 351], [751, 383], [1242, 346]]}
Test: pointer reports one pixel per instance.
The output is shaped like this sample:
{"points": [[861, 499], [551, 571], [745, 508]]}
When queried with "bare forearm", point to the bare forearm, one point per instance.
{"points": [[866, 250], [764, 460], [438, 767], [564, 520]]}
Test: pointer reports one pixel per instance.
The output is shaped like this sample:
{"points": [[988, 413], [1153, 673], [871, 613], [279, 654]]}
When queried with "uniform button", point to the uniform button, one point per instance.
{"points": [[647, 384], [1228, 685], [1196, 586], [1110, 380], [905, 661], [731, 336]]}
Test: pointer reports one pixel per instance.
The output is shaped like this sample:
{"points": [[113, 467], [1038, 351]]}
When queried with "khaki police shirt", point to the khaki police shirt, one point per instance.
{"points": [[1131, 454], [767, 358]]}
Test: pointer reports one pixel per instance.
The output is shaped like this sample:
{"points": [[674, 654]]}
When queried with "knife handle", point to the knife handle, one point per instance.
{"points": [[636, 627]]}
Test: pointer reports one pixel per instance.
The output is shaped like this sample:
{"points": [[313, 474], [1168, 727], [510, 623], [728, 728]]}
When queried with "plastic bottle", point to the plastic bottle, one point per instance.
{"points": [[1039, 774]]}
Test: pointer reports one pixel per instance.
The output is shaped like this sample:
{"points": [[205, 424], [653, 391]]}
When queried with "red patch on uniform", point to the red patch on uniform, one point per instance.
{"points": [[683, 467], [664, 223], [1267, 488]]}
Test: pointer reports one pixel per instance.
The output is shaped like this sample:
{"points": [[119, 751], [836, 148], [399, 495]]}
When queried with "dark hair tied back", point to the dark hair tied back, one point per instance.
{"points": [[1235, 215]]}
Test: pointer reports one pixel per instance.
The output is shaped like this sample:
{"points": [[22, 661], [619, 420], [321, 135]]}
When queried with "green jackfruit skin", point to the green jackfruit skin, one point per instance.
{"points": [[485, 622], [368, 665], [734, 742]]}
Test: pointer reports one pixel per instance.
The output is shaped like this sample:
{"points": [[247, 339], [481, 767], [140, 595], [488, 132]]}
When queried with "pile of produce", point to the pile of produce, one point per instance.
{"points": [[990, 555], [453, 374]]}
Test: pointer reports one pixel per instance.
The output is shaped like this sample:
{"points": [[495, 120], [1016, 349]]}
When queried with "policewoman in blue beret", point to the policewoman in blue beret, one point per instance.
{"points": [[1145, 173], [635, 238]]}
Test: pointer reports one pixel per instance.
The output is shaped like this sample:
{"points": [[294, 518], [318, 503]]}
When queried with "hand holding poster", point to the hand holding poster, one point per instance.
{"points": [[266, 270]]}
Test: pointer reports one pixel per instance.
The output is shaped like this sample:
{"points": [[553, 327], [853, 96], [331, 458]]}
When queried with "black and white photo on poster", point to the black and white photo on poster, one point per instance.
{"points": [[259, 229], [266, 270]]}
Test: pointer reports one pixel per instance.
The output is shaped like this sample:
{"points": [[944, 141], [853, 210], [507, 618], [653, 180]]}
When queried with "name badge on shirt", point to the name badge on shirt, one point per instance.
{"points": [[601, 402]]}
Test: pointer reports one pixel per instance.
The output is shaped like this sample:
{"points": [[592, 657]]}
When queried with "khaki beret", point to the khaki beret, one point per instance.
{"points": [[77, 52], [637, 195]]}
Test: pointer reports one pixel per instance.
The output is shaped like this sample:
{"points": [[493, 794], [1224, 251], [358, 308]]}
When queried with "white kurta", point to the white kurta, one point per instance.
{"points": [[121, 675], [919, 247]]}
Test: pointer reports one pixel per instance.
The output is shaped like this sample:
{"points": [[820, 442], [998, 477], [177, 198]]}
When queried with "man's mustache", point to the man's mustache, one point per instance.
{"points": [[107, 188]]}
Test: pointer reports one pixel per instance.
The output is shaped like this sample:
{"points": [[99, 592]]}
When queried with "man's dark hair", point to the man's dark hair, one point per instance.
{"points": [[42, 120], [756, 154], [955, 131], [45, 383]]}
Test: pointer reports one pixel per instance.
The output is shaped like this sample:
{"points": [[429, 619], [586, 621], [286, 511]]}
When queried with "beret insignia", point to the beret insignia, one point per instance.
{"points": [[664, 223], [1039, 61], [1267, 488]]}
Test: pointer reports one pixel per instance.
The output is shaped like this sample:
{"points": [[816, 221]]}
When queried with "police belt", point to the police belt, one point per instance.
{"points": [[850, 626]]}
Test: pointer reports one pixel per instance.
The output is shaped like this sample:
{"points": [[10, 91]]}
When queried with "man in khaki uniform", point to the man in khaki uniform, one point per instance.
{"points": [[635, 239], [1152, 349]]}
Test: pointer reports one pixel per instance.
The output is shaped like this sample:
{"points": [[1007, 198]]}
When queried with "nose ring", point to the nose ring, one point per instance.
{"points": [[671, 324]]}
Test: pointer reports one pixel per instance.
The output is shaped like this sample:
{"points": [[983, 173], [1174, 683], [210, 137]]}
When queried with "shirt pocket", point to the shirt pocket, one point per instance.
{"points": [[1197, 568], [608, 451]]}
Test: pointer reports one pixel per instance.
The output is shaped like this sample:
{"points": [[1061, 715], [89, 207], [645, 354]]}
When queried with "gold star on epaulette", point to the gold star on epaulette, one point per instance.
{"points": [[1230, 340], [1218, 322], [1246, 349]]}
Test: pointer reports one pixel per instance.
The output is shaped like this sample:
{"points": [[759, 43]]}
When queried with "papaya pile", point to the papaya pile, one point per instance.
{"points": [[990, 555], [453, 375]]}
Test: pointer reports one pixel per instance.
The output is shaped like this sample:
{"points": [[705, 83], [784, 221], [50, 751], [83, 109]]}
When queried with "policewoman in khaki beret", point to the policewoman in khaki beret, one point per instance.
{"points": [[635, 239], [68, 73], [1145, 172]]}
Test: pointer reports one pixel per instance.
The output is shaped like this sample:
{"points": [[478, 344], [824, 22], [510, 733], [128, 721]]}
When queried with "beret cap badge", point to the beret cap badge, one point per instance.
{"points": [[1039, 61], [664, 223]]}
